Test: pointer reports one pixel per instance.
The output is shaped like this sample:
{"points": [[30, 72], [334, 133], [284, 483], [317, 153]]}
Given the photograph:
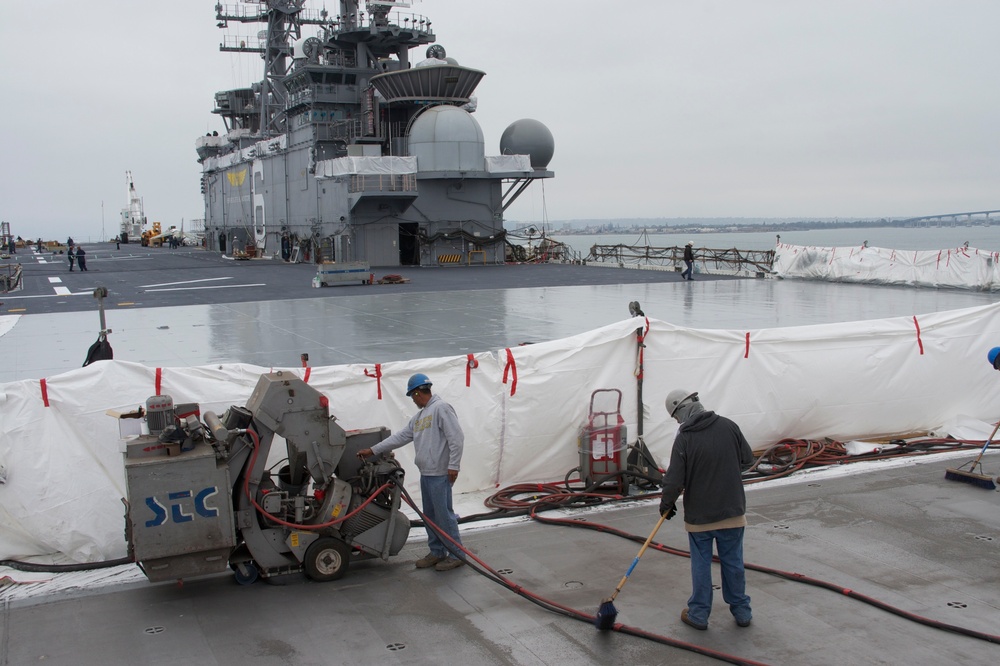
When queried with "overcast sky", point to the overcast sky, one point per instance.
{"points": [[659, 108]]}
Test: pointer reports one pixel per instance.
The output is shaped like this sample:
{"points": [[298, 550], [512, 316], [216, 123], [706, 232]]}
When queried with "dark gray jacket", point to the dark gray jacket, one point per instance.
{"points": [[706, 464]]}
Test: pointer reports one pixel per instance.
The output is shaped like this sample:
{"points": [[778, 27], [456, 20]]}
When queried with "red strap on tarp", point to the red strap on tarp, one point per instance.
{"points": [[305, 377], [377, 376], [920, 342], [45, 393], [473, 363], [746, 350], [512, 368], [159, 380]]}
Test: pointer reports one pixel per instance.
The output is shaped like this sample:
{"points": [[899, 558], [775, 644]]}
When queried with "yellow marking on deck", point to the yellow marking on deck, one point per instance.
{"points": [[126, 303], [17, 309]]}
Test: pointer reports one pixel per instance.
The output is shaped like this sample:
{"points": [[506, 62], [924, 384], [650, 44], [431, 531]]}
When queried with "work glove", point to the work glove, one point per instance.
{"points": [[668, 512]]}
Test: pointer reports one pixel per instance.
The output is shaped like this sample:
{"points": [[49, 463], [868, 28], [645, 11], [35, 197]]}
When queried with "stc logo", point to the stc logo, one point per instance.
{"points": [[176, 509]]}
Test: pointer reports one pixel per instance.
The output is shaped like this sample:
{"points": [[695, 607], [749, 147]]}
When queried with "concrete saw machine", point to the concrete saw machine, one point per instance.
{"points": [[201, 497]]}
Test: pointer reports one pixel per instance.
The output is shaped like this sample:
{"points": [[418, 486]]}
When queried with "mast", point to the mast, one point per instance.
{"points": [[284, 20]]}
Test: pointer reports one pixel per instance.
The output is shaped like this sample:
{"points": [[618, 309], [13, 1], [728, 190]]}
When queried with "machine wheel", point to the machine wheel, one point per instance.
{"points": [[326, 559], [246, 573]]}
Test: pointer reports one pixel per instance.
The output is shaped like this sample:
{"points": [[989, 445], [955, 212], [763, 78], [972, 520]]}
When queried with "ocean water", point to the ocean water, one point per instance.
{"points": [[933, 238]]}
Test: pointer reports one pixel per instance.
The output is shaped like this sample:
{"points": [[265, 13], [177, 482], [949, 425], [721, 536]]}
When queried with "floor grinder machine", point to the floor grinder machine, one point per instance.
{"points": [[201, 497]]}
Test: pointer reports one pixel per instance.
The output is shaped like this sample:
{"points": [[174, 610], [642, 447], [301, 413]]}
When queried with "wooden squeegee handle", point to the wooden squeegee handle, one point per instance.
{"points": [[989, 440], [642, 550]]}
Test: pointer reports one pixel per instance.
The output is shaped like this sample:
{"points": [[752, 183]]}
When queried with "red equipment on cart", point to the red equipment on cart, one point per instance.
{"points": [[602, 443]]}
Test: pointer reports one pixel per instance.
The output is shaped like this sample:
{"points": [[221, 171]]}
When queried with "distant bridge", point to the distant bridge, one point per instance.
{"points": [[981, 216]]}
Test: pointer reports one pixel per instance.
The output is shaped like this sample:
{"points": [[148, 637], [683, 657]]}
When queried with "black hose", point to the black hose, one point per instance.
{"points": [[62, 568]]}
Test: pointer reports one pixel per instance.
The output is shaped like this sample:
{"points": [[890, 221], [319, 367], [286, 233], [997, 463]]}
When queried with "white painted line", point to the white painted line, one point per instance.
{"points": [[221, 286], [55, 280], [58, 294], [170, 284]]}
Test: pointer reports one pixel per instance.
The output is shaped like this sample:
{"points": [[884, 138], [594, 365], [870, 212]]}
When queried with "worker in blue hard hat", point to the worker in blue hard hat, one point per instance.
{"points": [[438, 441], [994, 358]]}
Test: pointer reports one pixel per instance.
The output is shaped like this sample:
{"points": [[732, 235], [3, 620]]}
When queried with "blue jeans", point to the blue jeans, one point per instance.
{"points": [[689, 271], [435, 493], [730, 546]]}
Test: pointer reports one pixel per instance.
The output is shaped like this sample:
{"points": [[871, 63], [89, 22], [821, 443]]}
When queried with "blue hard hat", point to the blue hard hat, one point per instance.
{"points": [[419, 380], [992, 356]]}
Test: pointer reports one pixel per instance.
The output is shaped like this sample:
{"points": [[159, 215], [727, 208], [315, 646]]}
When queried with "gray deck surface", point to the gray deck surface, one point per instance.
{"points": [[901, 534]]}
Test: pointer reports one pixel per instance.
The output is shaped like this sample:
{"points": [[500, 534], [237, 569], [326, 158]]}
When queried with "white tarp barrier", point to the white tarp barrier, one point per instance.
{"points": [[508, 164], [366, 166], [521, 409], [961, 267]]}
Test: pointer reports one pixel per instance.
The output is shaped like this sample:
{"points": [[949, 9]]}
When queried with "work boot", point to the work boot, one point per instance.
{"points": [[691, 623], [448, 564], [427, 561]]}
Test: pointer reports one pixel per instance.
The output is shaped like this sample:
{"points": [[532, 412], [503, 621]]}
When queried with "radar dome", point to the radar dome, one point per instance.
{"points": [[529, 137], [447, 138]]}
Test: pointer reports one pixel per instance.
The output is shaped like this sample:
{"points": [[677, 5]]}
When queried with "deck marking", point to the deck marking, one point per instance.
{"points": [[56, 295], [221, 286], [55, 280], [170, 284], [63, 291]]}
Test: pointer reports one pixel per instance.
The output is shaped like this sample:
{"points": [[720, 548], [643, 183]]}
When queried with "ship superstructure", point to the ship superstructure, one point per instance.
{"points": [[351, 151]]}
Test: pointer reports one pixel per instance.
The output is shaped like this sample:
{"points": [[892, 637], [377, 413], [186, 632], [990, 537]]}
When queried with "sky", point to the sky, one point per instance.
{"points": [[659, 108]]}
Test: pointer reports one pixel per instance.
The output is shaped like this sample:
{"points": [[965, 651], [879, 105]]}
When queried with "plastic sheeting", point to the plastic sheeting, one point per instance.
{"points": [[962, 267], [508, 164], [259, 149], [367, 166], [521, 408]]}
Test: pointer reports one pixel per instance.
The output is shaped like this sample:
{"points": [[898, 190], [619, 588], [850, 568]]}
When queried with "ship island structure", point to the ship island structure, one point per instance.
{"points": [[347, 150]]}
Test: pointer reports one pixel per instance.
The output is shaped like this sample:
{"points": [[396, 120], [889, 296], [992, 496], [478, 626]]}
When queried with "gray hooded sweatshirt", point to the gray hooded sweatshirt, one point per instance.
{"points": [[437, 439]]}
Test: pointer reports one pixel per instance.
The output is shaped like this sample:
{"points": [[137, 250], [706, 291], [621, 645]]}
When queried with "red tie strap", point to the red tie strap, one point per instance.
{"points": [[512, 368], [920, 343], [472, 364], [377, 376]]}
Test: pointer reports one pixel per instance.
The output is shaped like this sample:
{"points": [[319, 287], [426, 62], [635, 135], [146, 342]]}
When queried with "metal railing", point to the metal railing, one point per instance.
{"points": [[371, 183], [11, 278], [730, 260]]}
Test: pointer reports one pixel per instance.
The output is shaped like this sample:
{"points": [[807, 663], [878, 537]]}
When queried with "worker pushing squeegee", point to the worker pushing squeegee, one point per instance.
{"points": [[707, 461], [970, 475]]}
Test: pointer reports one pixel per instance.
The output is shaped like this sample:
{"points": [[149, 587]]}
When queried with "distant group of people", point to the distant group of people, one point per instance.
{"points": [[75, 252]]}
